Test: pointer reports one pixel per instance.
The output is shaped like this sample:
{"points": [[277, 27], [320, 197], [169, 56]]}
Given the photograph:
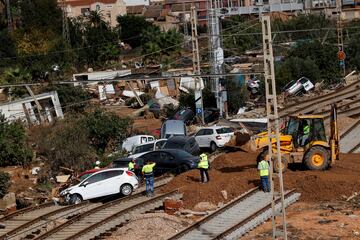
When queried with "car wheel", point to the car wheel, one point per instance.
{"points": [[126, 189], [75, 199], [213, 146], [184, 168]]}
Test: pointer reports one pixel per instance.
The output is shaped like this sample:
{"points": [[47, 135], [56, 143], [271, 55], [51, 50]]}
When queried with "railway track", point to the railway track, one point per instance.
{"points": [[310, 105], [29, 222], [349, 140], [99, 220], [236, 218]]}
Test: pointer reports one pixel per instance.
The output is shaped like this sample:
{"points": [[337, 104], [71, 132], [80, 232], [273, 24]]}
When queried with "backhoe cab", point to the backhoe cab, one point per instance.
{"points": [[303, 140]]}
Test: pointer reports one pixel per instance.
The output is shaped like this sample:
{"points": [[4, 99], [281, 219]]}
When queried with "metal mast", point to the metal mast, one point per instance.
{"points": [[216, 52], [196, 64], [273, 126], [340, 37]]}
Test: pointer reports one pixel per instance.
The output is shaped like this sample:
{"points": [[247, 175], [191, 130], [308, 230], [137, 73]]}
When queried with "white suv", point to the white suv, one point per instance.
{"points": [[213, 137], [102, 183]]}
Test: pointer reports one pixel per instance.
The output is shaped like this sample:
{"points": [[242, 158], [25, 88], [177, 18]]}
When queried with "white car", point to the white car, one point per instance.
{"points": [[130, 142], [102, 183], [213, 137], [299, 86], [141, 149]]}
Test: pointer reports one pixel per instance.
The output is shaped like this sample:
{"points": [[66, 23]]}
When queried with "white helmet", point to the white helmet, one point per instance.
{"points": [[97, 162]]}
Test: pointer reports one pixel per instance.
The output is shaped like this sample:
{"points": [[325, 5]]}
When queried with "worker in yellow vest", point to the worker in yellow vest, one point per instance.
{"points": [[203, 167], [148, 172], [263, 168], [131, 165]]}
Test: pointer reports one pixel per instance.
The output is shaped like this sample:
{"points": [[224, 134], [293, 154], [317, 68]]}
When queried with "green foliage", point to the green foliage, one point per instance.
{"points": [[302, 22], [103, 127], [237, 95], [131, 28], [13, 146], [72, 99], [324, 56], [44, 14], [163, 43], [7, 49], [66, 144], [294, 68], [234, 43], [4, 183]]}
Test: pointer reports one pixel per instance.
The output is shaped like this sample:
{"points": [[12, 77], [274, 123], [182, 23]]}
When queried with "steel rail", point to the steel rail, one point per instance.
{"points": [[348, 131], [214, 214], [99, 208], [26, 210], [243, 222], [314, 103], [16, 230], [121, 213]]}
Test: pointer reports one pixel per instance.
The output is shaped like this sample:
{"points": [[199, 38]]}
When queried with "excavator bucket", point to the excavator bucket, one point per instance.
{"points": [[242, 141]]}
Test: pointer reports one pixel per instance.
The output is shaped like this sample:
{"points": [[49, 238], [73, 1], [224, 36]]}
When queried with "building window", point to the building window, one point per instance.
{"points": [[85, 11], [97, 7]]}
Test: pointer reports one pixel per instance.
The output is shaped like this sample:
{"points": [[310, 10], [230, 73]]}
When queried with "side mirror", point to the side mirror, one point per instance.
{"points": [[84, 184]]}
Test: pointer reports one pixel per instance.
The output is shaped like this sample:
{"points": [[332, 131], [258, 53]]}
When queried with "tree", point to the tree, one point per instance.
{"points": [[105, 127], [131, 28], [293, 68], [96, 19], [13, 144]]}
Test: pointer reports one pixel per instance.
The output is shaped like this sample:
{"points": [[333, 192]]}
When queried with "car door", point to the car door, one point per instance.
{"points": [[165, 162], [208, 137], [199, 137], [112, 182], [93, 186]]}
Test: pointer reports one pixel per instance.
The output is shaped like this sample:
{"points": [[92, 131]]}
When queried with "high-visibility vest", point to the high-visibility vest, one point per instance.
{"points": [[148, 169], [306, 130], [204, 163], [131, 166], [264, 168]]}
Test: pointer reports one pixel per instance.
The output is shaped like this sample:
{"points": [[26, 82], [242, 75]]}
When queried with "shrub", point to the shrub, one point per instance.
{"points": [[13, 146], [4, 183]]}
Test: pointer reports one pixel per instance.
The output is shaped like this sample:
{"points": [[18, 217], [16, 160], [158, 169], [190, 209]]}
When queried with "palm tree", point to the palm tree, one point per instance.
{"points": [[96, 19]]}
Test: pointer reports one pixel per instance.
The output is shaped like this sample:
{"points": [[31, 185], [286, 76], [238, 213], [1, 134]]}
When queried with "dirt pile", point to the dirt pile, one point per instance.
{"points": [[236, 173]]}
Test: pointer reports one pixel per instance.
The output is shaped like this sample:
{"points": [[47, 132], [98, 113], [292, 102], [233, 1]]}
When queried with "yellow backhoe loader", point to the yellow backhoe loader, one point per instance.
{"points": [[303, 140]]}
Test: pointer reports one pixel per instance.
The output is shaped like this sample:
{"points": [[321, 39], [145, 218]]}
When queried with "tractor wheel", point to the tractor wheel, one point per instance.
{"points": [[280, 167], [317, 158]]}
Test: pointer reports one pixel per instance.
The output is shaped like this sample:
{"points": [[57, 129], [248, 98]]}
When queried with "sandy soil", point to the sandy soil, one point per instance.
{"points": [[306, 221]]}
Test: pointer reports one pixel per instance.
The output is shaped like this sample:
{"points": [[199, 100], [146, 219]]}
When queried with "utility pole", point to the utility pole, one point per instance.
{"points": [[216, 52], [196, 65], [9, 18], [65, 23], [273, 126], [340, 38]]}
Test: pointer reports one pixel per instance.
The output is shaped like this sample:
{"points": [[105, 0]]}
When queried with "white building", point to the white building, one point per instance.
{"points": [[136, 2], [26, 109]]}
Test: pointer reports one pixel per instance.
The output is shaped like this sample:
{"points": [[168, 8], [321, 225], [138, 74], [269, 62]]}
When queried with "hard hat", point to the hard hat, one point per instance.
{"points": [[267, 157], [97, 162]]}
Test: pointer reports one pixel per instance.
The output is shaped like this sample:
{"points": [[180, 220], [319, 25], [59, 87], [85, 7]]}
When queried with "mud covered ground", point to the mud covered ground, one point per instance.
{"points": [[236, 172]]}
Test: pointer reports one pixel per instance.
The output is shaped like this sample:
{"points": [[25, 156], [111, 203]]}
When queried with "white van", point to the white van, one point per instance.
{"points": [[171, 128], [130, 142]]}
